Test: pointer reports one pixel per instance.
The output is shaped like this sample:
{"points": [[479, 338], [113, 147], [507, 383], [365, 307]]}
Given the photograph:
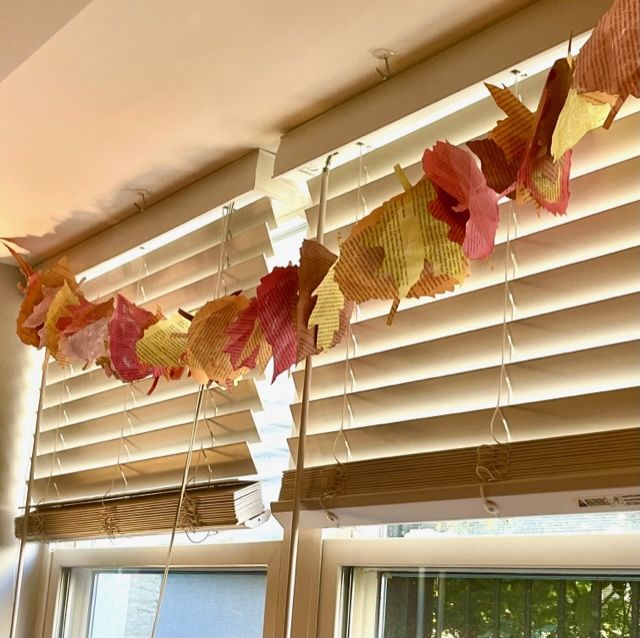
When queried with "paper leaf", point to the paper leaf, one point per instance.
{"points": [[83, 314], [126, 328], [277, 301], [164, 343], [513, 133], [87, 344], [498, 171], [23, 264], [609, 62], [247, 345], [52, 278], [359, 271], [315, 262], [442, 208], [580, 114], [207, 338], [546, 180], [454, 170], [50, 332], [328, 311], [39, 314]]}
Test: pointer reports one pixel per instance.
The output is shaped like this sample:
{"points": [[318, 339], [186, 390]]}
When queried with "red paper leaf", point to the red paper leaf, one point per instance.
{"points": [[548, 181], [277, 301], [454, 170], [247, 346], [609, 62], [442, 208], [127, 326]]}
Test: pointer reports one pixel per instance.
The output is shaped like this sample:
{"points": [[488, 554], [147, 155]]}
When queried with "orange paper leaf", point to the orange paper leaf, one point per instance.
{"points": [[207, 338]]}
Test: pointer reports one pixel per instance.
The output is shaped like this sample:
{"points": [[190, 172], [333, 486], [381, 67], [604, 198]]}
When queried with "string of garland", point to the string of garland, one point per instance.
{"points": [[419, 243]]}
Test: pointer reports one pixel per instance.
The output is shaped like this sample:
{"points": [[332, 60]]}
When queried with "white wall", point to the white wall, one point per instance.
{"points": [[19, 386]]}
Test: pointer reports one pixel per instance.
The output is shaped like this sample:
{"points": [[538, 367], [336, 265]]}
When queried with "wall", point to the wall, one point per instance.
{"points": [[18, 401]]}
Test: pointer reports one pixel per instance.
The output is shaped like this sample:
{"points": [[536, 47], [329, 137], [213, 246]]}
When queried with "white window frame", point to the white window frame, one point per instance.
{"points": [[318, 600], [568, 552], [222, 556]]}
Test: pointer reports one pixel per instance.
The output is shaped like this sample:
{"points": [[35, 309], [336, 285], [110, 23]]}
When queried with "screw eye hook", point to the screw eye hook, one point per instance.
{"points": [[384, 55]]}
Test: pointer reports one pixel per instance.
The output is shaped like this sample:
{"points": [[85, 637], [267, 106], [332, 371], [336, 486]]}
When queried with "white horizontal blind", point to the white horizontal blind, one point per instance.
{"points": [[100, 436], [430, 381]]}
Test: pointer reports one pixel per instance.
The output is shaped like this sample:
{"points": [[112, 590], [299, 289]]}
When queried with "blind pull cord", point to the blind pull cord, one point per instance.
{"points": [[17, 588], [226, 234], [292, 562]]}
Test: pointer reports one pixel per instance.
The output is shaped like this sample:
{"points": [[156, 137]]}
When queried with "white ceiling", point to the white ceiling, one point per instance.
{"points": [[101, 101]]}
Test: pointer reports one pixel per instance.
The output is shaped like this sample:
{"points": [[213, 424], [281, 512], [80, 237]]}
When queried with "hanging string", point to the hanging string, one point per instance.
{"points": [[54, 455], [110, 522], [226, 233], [333, 478], [493, 460]]}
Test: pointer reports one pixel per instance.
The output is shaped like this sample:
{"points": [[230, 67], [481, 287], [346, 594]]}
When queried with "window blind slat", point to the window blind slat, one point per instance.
{"points": [[590, 370], [238, 250], [245, 221], [616, 409], [549, 276], [173, 398], [218, 463], [225, 428], [597, 324], [154, 443]]}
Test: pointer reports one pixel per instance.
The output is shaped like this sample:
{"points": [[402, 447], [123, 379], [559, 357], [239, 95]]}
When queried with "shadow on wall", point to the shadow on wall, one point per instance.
{"points": [[18, 402], [157, 183]]}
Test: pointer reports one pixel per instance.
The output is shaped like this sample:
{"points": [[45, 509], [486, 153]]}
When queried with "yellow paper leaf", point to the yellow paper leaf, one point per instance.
{"points": [[399, 234], [326, 313], [164, 343], [581, 113], [58, 308], [400, 249]]}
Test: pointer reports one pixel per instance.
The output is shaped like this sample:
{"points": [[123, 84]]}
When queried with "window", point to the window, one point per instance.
{"points": [[121, 603], [395, 603]]}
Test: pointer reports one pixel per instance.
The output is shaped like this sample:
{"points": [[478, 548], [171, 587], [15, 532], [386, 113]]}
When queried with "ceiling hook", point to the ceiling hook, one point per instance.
{"points": [[142, 194], [385, 55]]}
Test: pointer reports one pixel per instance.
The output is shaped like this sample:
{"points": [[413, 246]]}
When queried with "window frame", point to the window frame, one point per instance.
{"points": [[223, 556], [573, 553]]}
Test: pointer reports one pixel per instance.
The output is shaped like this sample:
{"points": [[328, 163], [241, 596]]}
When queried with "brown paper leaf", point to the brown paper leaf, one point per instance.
{"points": [[315, 263], [513, 133], [498, 171], [207, 338]]}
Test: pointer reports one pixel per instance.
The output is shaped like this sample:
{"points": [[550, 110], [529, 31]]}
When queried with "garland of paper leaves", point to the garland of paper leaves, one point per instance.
{"points": [[417, 244]]}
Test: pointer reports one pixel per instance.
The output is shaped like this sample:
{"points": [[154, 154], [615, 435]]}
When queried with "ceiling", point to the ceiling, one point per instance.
{"points": [[102, 98]]}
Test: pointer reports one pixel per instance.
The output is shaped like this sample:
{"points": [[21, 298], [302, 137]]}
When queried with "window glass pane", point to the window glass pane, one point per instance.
{"points": [[218, 604], [398, 603]]}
